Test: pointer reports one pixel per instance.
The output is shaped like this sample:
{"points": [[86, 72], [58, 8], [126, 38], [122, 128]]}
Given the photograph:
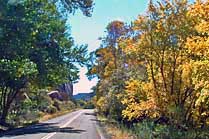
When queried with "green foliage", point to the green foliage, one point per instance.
{"points": [[51, 109], [41, 99], [150, 130], [81, 103], [35, 50], [85, 104], [60, 106], [34, 107], [144, 130], [70, 6], [89, 105], [68, 105]]}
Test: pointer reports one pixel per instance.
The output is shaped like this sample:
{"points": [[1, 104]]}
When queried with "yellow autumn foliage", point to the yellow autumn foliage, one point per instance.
{"points": [[175, 78], [139, 104], [170, 47], [101, 105]]}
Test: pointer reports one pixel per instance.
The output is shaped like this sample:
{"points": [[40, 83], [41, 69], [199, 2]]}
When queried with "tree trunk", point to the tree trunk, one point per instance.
{"points": [[4, 116], [8, 99]]}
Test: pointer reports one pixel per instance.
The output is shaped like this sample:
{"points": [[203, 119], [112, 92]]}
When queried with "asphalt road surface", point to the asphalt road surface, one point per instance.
{"points": [[81, 124]]}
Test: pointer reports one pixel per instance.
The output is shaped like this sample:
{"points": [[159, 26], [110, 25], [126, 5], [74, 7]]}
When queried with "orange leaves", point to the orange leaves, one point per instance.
{"points": [[203, 27], [116, 26], [199, 44], [129, 46], [160, 27], [199, 10], [105, 54], [138, 23]]}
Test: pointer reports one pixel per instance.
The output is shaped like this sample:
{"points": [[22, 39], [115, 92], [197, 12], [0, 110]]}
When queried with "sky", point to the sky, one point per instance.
{"points": [[87, 30]]}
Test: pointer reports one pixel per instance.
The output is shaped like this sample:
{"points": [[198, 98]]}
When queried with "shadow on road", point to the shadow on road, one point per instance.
{"points": [[40, 128], [93, 114]]}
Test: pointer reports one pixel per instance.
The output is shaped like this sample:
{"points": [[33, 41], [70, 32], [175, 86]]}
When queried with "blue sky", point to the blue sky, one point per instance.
{"points": [[87, 30]]}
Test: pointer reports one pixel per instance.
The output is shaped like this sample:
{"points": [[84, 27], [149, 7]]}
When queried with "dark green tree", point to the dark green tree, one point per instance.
{"points": [[35, 48]]}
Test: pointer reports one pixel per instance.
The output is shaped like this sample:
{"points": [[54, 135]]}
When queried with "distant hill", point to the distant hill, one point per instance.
{"points": [[83, 96]]}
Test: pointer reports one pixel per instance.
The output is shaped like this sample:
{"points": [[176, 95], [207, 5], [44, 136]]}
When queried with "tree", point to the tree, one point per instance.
{"points": [[35, 50], [173, 62], [108, 67], [15, 75], [198, 45], [86, 6], [160, 46], [164, 58]]}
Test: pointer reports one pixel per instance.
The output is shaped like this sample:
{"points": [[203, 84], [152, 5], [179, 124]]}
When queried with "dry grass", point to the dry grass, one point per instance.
{"points": [[112, 130], [46, 117], [117, 133]]}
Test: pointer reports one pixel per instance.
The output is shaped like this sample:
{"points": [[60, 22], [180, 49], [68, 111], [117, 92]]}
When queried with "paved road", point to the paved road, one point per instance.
{"points": [[80, 124]]}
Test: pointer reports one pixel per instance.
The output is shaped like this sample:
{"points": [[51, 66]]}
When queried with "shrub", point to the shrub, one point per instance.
{"points": [[51, 109], [67, 105], [149, 130], [89, 105], [102, 106], [80, 103]]}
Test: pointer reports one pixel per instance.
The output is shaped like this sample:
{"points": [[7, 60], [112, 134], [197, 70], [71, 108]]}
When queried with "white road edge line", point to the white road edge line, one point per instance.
{"points": [[100, 132], [48, 136]]}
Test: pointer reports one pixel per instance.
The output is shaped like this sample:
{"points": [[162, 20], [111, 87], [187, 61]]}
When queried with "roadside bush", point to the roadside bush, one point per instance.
{"points": [[85, 104], [89, 105], [149, 130], [81, 103], [42, 100], [67, 105], [57, 103], [144, 130], [32, 106], [102, 106], [22, 112], [51, 109]]}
